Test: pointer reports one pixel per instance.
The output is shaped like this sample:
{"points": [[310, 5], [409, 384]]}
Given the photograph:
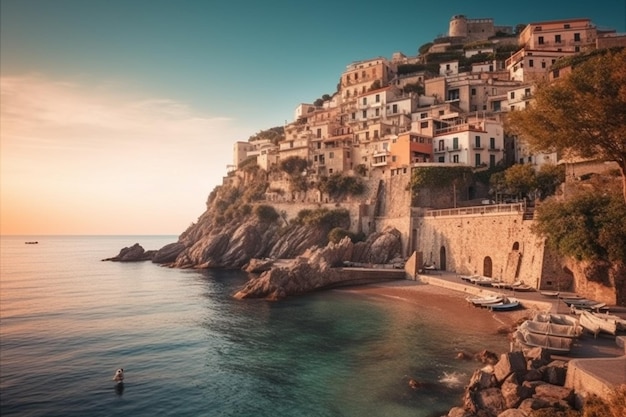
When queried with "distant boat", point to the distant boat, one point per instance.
{"points": [[485, 301], [556, 319], [520, 286], [551, 343], [551, 294], [551, 329], [595, 324], [31, 242], [508, 303]]}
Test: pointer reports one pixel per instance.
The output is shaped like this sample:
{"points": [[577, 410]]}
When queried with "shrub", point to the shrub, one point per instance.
{"points": [[266, 213], [338, 233]]}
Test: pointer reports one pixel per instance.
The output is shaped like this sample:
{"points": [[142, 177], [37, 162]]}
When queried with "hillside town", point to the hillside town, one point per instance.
{"points": [[444, 106]]}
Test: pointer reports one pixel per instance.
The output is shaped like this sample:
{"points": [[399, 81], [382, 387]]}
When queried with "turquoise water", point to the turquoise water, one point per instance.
{"points": [[188, 348]]}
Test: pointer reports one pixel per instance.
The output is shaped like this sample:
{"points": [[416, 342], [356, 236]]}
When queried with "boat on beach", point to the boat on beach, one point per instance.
{"points": [[552, 329], [550, 294], [596, 324], [486, 300], [508, 303], [563, 319], [551, 343]]}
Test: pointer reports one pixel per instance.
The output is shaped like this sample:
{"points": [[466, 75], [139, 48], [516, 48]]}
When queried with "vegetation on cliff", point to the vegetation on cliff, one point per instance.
{"points": [[589, 225], [581, 114]]}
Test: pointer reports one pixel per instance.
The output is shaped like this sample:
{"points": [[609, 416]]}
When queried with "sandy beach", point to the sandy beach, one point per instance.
{"points": [[452, 304]]}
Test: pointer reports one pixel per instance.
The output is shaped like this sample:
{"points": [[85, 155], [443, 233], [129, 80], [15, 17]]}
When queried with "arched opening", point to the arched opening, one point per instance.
{"points": [[442, 259], [487, 267], [516, 246]]}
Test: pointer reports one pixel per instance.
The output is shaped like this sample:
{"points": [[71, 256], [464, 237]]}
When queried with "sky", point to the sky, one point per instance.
{"points": [[119, 116]]}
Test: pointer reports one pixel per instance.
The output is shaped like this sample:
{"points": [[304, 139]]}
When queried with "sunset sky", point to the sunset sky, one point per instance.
{"points": [[119, 116]]}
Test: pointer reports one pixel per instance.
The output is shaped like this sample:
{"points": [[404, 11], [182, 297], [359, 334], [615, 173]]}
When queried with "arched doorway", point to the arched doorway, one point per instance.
{"points": [[442, 259], [487, 267]]}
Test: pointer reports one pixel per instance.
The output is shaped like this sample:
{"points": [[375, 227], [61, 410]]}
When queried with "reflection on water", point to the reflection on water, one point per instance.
{"points": [[188, 348]]}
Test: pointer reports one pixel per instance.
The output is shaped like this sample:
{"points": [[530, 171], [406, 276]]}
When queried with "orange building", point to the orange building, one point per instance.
{"points": [[410, 148]]}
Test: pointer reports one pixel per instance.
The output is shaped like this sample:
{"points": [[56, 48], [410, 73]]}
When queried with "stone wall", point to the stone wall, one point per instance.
{"points": [[496, 244]]}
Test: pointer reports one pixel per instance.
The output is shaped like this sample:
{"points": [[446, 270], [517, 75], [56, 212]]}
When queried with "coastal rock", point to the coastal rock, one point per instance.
{"points": [[513, 392], [491, 401], [257, 266], [554, 391], [555, 373], [135, 253], [513, 412], [509, 363], [168, 253]]}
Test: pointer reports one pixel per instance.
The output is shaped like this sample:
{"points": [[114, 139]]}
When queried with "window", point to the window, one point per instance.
{"points": [[376, 134], [455, 143], [424, 125], [377, 112], [543, 64], [531, 63], [377, 98], [492, 143], [455, 159], [330, 170], [477, 159], [393, 158], [441, 143], [492, 161], [477, 141], [353, 116], [453, 94], [364, 114], [331, 155], [576, 37], [566, 26], [527, 92], [394, 108], [367, 135], [423, 115], [364, 100], [512, 95], [319, 133], [540, 40], [473, 91], [441, 159], [557, 38], [497, 106]]}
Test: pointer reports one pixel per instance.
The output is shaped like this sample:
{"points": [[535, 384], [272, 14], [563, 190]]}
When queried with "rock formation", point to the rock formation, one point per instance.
{"points": [[135, 253]]}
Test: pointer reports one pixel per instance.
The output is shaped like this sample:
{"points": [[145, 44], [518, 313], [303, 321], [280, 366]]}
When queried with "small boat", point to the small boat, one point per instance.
{"points": [[563, 319], [33, 242], [520, 286], [552, 329], [595, 324], [584, 304], [482, 281], [501, 285], [485, 301], [550, 294], [509, 303], [551, 343]]}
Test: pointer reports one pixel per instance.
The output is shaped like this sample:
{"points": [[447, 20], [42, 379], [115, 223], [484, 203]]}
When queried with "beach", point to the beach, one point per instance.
{"points": [[448, 303]]}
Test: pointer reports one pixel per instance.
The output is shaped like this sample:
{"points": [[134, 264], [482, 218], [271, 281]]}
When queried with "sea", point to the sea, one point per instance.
{"points": [[68, 320]]}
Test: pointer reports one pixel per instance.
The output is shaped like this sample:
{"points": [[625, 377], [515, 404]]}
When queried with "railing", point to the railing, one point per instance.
{"points": [[478, 210]]}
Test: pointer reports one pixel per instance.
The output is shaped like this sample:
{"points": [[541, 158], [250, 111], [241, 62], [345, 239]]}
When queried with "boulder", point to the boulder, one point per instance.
{"points": [[491, 401], [513, 392], [553, 391], [135, 253], [509, 363], [555, 372], [168, 253], [513, 412]]}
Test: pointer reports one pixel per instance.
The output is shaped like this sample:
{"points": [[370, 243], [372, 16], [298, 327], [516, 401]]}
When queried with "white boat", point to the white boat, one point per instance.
{"points": [[556, 319], [485, 301], [619, 322], [501, 285], [480, 280], [520, 286], [552, 329], [551, 294], [596, 324], [550, 343], [508, 303]]}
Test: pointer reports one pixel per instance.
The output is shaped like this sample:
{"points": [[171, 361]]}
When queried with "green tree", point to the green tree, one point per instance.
{"points": [[293, 165], [520, 180], [582, 114], [548, 179], [589, 226]]}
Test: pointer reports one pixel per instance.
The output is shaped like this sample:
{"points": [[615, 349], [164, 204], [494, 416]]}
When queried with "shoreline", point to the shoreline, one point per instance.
{"points": [[447, 302]]}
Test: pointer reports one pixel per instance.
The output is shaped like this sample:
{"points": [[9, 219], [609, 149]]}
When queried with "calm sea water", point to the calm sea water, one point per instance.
{"points": [[188, 348]]}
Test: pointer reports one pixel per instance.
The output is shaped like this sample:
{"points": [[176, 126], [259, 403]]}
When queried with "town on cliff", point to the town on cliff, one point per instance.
{"points": [[337, 184]]}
